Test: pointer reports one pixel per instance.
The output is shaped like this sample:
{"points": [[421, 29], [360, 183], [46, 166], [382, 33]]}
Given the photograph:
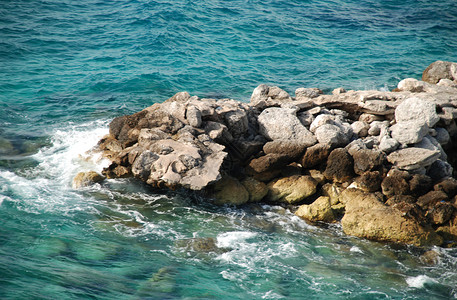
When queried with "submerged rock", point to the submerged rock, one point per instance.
{"points": [[83, 179]]}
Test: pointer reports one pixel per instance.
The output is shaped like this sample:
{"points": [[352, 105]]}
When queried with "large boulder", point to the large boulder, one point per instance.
{"points": [[413, 158], [367, 217], [367, 160], [257, 190], [340, 166], [315, 155], [291, 190], [439, 70], [283, 124], [417, 110]]}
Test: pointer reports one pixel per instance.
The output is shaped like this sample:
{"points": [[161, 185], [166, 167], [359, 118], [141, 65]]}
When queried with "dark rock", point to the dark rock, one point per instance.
{"points": [[315, 155], [420, 184], [449, 186], [268, 162], [291, 150], [430, 199], [367, 160], [369, 181], [340, 166], [400, 199], [396, 183], [441, 213]]}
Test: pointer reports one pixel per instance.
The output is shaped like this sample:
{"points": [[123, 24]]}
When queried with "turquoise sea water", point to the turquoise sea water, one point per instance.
{"points": [[68, 67]]}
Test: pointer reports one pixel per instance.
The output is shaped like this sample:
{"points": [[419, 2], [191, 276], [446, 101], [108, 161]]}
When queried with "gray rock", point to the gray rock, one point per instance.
{"points": [[194, 116], [237, 122], [338, 91], [369, 118], [447, 82], [409, 132], [259, 94], [276, 93], [282, 124], [331, 135], [431, 143], [413, 85], [320, 120], [355, 146], [305, 93], [413, 158], [439, 170], [360, 128], [388, 144], [417, 110], [442, 136]]}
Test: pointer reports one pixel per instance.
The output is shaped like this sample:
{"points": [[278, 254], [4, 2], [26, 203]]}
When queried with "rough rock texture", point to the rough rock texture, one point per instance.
{"points": [[366, 216], [397, 146], [319, 210], [293, 189]]}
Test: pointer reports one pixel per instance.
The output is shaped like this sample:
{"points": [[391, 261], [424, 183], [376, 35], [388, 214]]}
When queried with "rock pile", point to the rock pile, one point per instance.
{"points": [[381, 162]]}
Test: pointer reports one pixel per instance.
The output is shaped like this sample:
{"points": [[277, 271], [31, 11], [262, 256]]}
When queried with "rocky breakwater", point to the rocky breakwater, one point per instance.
{"points": [[381, 163]]}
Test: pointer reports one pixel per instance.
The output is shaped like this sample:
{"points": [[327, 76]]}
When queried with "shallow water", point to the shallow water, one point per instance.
{"points": [[67, 68]]}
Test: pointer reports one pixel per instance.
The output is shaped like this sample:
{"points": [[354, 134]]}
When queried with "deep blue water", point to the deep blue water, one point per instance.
{"points": [[68, 67]]}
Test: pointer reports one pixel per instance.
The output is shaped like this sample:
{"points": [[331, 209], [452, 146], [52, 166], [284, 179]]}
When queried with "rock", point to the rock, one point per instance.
{"points": [[369, 181], [430, 199], [200, 245], [367, 160], [317, 175], [321, 120], [334, 192], [400, 199], [291, 149], [370, 118], [276, 93], [194, 116], [319, 210], [447, 82], [331, 135], [409, 132], [449, 186], [237, 122], [420, 184], [355, 146], [360, 128], [315, 155], [340, 166], [430, 258], [305, 93], [338, 91], [229, 190], [259, 94], [257, 190], [440, 169], [417, 110], [367, 217], [282, 124], [413, 158], [412, 85], [84, 179], [269, 163], [396, 183], [388, 144], [442, 136], [436, 71], [441, 213], [291, 190]]}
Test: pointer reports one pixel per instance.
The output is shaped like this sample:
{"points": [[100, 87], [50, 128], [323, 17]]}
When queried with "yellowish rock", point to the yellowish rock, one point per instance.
{"points": [[292, 189], [229, 190], [257, 190], [83, 179], [319, 210]]}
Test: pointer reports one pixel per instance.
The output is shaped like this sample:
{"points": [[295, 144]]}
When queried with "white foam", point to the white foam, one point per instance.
{"points": [[419, 281], [356, 249], [234, 238]]}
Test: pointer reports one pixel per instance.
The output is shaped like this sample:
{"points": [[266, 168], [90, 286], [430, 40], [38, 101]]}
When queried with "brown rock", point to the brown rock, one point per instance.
{"points": [[400, 199], [436, 71], [396, 183], [315, 155], [367, 217], [420, 184], [430, 258], [441, 213], [268, 162], [334, 192], [83, 179], [291, 150], [367, 160], [449, 186], [430, 199], [319, 210], [293, 189], [369, 181], [340, 166]]}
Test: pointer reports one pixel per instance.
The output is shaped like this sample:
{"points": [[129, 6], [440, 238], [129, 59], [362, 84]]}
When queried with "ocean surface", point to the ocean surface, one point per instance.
{"points": [[69, 67]]}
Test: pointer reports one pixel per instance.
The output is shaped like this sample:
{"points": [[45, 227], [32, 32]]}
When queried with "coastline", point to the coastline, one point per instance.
{"points": [[381, 163]]}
